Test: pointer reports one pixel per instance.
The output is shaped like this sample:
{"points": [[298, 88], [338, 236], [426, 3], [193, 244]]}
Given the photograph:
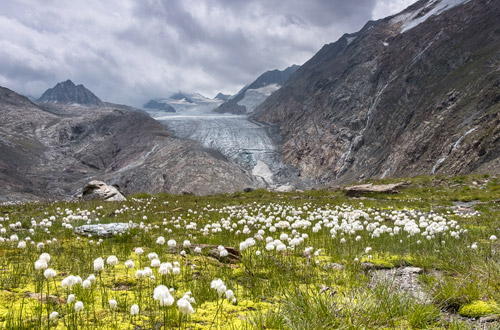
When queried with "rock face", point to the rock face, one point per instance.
{"points": [[68, 93], [100, 190], [50, 150], [257, 92], [416, 93]]}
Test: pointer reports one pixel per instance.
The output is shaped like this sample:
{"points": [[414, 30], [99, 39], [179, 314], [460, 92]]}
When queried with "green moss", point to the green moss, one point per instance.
{"points": [[479, 308]]}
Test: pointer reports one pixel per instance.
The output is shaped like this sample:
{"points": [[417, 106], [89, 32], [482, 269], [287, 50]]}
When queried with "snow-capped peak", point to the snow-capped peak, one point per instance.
{"points": [[410, 20]]}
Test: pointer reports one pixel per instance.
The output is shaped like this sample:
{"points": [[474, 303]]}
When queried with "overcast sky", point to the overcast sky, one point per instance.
{"points": [[128, 51]]}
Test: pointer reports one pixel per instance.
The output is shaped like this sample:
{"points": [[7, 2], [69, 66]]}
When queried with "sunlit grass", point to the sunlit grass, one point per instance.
{"points": [[284, 277]]}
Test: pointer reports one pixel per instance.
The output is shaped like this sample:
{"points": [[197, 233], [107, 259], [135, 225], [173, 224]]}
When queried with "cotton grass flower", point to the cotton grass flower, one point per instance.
{"points": [[71, 298], [134, 310], [113, 304], [98, 264], [53, 316], [40, 264], [185, 306], [138, 251], [49, 273], [162, 294], [129, 264], [112, 260], [78, 306], [160, 240]]}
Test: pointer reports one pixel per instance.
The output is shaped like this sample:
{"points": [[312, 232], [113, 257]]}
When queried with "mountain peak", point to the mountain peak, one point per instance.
{"points": [[67, 92], [222, 97]]}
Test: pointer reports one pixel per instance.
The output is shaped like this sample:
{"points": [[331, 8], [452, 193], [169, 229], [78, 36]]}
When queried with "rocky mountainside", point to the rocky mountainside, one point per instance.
{"points": [[52, 151], [68, 93], [247, 99], [158, 105], [415, 93]]}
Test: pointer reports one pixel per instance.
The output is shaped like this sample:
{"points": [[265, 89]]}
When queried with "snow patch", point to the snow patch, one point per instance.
{"points": [[254, 97], [350, 39], [412, 19]]}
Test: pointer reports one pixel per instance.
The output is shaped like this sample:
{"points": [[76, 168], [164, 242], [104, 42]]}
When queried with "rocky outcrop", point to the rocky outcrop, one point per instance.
{"points": [[68, 93], [101, 191], [416, 93], [103, 230]]}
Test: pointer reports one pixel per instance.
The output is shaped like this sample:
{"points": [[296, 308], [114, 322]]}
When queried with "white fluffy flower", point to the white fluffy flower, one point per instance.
{"points": [[49, 273], [129, 264], [155, 263], [78, 306], [160, 240], [493, 238], [172, 243], [162, 294], [219, 286], [113, 304], [98, 264], [53, 316], [112, 260], [134, 310], [229, 294], [86, 284], [139, 251], [152, 255], [71, 298], [44, 256], [185, 306], [176, 270], [40, 264]]}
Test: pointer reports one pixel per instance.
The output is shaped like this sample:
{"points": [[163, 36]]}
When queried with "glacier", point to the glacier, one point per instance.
{"points": [[254, 146]]}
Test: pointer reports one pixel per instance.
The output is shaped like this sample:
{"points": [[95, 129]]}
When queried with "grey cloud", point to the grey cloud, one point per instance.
{"points": [[128, 51]]}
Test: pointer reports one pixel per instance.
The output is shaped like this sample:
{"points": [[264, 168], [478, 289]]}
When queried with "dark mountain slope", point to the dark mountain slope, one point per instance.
{"points": [[396, 101]]}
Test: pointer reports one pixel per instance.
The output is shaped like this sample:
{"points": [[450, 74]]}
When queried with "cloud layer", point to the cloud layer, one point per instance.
{"points": [[128, 51]]}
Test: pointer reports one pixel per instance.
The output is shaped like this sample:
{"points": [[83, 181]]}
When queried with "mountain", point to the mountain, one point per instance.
{"points": [[254, 94], [49, 151], [415, 93], [68, 93], [222, 97], [159, 105], [182, 103]]}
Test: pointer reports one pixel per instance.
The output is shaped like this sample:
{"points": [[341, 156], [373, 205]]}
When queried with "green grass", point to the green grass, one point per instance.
{"points": [[274, 289]]}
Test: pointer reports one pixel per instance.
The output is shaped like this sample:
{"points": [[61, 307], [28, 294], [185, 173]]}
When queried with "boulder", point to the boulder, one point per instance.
{"points": [[100, 190], [103, 230], [361, 189]]}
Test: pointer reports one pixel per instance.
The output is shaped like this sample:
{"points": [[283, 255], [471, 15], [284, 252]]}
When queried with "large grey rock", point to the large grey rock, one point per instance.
{"points": [[100, 190], [103, 230]]}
